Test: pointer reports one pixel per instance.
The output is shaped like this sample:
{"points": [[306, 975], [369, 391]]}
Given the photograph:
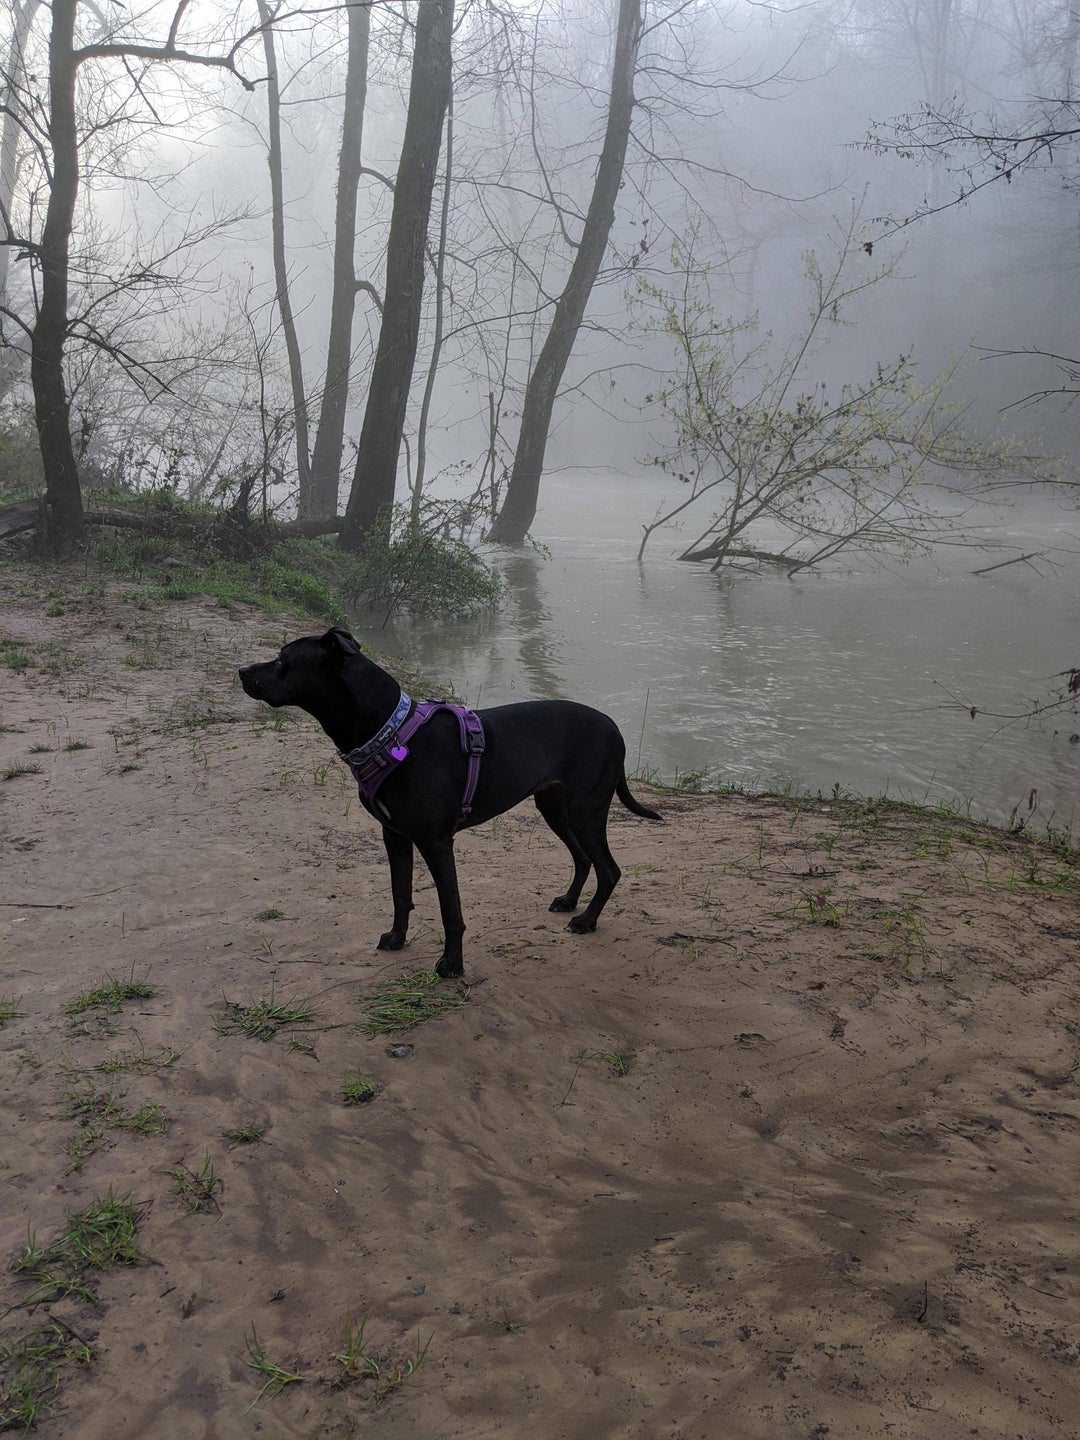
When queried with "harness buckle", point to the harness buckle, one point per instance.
{"points": [[475, 742]]}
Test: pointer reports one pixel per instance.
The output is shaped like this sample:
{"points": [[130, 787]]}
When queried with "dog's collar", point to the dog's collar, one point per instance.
{"points": [[378, 742]]}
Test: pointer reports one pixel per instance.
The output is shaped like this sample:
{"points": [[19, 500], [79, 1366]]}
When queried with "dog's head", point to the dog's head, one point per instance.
{"points": [[307, 672]]}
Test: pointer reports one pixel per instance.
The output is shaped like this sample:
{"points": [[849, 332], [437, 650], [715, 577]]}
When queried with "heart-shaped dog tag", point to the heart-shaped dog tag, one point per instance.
{"points": [[398, 752]]}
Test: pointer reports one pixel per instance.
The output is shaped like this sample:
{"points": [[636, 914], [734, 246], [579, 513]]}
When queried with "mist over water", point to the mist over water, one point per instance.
{"points": [[839, 678]]}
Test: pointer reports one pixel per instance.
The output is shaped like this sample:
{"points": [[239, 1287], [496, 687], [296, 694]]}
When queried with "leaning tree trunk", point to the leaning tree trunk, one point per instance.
{"points": [[519, 507], [65, 526], [330, 436], [375, 477]]}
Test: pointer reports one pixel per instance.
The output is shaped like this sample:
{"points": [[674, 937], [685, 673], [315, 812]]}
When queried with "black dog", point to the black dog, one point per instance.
{"points": [[567, 756]]}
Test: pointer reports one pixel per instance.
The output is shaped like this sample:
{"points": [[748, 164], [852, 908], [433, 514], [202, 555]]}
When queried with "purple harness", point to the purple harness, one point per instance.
{"points": [[372, 762]]}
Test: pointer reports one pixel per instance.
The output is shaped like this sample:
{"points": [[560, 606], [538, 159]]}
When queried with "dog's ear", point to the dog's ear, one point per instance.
{"points": [[339, 637]]}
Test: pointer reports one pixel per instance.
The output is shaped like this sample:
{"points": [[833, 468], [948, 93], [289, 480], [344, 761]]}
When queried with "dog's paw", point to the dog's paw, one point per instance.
{"points": [[582, 925], [449, 968], [392, 940], [562, 903]]}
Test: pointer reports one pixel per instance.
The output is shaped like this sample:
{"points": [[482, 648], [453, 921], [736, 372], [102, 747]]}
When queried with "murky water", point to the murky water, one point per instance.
{"points": [[839, 679]]}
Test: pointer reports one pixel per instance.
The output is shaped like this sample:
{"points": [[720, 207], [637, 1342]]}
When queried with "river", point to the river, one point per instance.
{"points": [[843, 678]]}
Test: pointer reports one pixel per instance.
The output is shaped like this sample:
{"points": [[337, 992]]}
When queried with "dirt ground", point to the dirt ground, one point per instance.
{"points": [[788, 1148]]}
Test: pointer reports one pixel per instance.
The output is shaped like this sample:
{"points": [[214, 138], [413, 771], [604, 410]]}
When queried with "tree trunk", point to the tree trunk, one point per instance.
{"points": [[14, 79], [440, 308], [281, 266], [64, 527], [330, 436], [375, 477], [519, 507]]}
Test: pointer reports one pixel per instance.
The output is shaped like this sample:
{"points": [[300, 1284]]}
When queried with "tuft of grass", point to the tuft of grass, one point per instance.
{"points": [[96, 1238], [617, 1061], [408, 1001], [71, 745], [15, 772], [141, 1061], [8, 1009], [262, 1019], [357, 1088], [98, 1111], [359, 1363], [41, 749], [30, 1371], [276, 1377], [820, 910], [270, 914], [196, 1191], [246, 1134], [110, 995]]}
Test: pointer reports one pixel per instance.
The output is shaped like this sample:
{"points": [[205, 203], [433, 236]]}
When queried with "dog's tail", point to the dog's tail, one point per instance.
{"points": [[636, 806]]}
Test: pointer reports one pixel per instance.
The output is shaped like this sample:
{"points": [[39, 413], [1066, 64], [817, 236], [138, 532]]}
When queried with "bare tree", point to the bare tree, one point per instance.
{"points": [[519, 504], [375, 476]]}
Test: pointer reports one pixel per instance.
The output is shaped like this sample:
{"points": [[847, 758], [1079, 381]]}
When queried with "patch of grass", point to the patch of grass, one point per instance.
{"points": [[12, 730], [15, 772], [246, 1134], [276, 1377], [819, 909], [401, 1004], [98, 1111], [359, 1363], [30, 1372], [96, 1238], [617, 1061], [140, 1061], [8, 1009], [40, 749], [72, 745], [262, 1019], [196, 1190], [357, 1088], [270, 914], [110, 995], [16, 656]]}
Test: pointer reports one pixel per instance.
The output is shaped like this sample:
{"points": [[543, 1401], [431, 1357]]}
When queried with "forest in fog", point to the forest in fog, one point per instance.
{"points": [[324, 259]]}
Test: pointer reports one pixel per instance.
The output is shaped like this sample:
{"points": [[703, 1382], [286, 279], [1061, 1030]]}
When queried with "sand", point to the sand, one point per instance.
{"points": [[788, 1148]]}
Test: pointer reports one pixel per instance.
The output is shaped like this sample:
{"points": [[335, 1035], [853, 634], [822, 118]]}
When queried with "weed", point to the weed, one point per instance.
{"points": [[263, 1018], [276, 1377], [14, 654], [359, 1364], [196, 1192], [401, 1004], [77, 745], [617, 1061], [30, 1366], [357, 1088], [270, 914], [15, 772], [98, 1111], [96, 1238], [40, 749], [110, 995], [302, 1047], [140, 1061], [8, 1009], [245, 1134], [820, 910]]}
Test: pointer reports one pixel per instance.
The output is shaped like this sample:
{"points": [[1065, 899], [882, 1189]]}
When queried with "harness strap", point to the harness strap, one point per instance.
{"points": [[372, 762]]}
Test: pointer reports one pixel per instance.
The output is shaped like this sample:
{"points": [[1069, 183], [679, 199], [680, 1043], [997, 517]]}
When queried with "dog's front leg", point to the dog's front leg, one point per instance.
{"points": [[399, 852], [439, 857]]}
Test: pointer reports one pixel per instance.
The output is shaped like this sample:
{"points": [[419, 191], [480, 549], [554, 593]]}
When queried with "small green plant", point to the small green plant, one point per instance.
{"points": [[262, 1019], [96, 1112], [40, 749], [30, 1372], [96, 1238], [276, 1377], [8, 1009], [408, 1001], [246, 1134], [14, 654], [110, 995], [270, 914], [71, 745], [196, 1190], [141, 1061], [357, 1088], [16, 772], [617, 1061], [359, 1363], [820, 910]]}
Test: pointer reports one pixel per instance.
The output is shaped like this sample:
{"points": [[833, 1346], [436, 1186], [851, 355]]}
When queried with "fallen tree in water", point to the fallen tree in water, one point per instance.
{"points": [[796, 475]]}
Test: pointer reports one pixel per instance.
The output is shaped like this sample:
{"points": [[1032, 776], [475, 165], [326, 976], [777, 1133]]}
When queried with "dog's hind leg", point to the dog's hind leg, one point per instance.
{"points": [[438, 854], [399, 852], [552, 806], [591, 830]]}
